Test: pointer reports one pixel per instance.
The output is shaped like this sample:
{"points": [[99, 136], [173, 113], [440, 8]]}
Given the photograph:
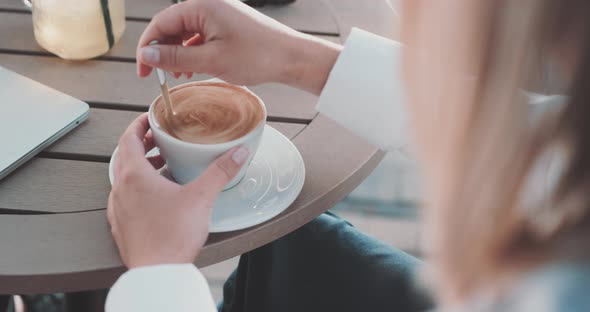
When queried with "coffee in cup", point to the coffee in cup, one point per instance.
{"points": [[209, 119], [210, 113]]}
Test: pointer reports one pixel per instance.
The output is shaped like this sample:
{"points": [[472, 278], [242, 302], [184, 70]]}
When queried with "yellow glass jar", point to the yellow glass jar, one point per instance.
{"points": [[77, 30]]}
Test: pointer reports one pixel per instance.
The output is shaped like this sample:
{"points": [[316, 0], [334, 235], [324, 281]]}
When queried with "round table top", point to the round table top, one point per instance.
{"points": [[54, 234]]}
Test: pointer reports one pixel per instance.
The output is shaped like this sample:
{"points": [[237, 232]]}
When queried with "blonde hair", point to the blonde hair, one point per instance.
{"points": [[476, 141]]}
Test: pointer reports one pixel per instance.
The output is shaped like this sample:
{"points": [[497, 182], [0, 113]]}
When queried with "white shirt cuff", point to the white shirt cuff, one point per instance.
{"points": [[175, 287], [364, 91]]}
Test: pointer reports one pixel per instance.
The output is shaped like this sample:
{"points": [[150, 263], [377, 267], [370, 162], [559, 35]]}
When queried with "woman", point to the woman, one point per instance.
{"points": [[506, 208]]}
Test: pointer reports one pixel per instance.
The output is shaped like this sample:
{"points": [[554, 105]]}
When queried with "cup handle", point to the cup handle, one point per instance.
{"points": [[28, 4]]}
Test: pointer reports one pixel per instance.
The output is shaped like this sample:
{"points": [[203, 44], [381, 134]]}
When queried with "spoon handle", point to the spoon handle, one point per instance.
{"points": [[169, 112], [163, 81], [161, 76]]}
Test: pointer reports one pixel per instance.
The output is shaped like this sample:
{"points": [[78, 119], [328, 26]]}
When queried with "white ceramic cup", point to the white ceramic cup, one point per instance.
{"points": [[186, 161]]}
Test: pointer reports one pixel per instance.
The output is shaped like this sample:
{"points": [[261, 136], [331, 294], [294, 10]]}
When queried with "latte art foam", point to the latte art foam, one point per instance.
{"points": [[210, 113]]}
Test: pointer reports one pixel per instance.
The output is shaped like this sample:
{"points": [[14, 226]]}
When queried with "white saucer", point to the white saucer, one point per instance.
{"points": [[271, 184]]}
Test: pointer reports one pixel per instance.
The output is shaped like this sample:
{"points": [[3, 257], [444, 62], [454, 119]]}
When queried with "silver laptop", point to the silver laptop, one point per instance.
{"points": [[32, 116]]}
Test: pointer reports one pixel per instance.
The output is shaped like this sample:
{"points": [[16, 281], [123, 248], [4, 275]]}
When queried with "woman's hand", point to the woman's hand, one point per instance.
{"points": [[156, 221], [229, 40]]}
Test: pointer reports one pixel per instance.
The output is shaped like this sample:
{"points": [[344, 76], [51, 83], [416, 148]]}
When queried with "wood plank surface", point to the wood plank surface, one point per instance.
{"points": [[16, 31], [60, 242], [58, 186], [97, 137], [305, 15], [78, 253], [55, 185], [116, 83]]}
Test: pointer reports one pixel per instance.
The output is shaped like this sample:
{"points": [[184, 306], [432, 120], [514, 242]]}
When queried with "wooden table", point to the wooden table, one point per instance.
{"points": [[54, 235]]}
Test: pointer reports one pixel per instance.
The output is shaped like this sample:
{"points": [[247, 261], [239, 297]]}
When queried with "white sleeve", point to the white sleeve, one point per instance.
{"points": [[175, 288], [364, 91]]}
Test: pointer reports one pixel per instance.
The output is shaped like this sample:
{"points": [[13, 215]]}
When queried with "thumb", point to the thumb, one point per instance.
{"points": [[178, 58], [221, 171]]}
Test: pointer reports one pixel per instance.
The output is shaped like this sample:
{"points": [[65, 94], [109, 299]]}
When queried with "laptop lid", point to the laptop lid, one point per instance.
{"points": [[32, 116]]}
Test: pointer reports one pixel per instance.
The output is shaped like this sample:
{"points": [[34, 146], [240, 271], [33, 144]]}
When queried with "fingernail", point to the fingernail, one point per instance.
{"points": [[150, 55], [240, 155]]}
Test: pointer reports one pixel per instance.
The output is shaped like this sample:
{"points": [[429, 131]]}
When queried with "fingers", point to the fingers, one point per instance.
{"points": [[135, 142], [137, 130], [110, 210], [148, 141], [221, 171], [179, 58], [175, 21], [186, 40], [193, 40], [115, 233], [178, 75], [189, 40], [131, 142], [157, 161], [112, 218], [133, 146]]}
